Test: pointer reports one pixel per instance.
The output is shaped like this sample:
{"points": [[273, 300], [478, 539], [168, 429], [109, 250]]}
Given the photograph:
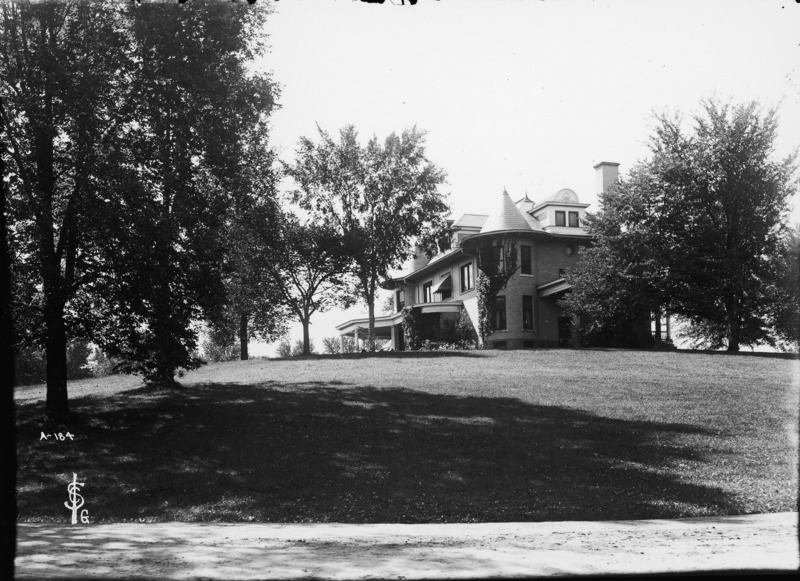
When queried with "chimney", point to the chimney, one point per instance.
{"points": [[607, 173]]}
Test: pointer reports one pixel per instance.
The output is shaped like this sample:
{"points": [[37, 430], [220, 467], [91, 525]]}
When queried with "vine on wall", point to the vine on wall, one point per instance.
{"points": [[411, 329], [484, 288]]}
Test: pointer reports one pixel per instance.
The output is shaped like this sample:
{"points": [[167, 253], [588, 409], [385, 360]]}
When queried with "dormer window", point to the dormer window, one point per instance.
{"points": [[573, 219], [561, 218]]}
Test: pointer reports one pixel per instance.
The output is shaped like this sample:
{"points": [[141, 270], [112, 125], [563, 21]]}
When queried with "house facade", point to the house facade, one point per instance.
{"points": [[546, 237]]}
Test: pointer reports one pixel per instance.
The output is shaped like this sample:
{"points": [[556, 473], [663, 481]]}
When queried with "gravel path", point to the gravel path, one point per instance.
{"points": [[341, 551]]}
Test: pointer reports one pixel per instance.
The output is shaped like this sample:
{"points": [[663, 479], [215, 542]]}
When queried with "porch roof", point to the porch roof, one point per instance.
{"points": [[383, 325], [553, 287]]}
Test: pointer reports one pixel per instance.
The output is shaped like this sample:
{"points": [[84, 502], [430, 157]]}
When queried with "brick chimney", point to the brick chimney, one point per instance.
{"points": [[607, 173]]}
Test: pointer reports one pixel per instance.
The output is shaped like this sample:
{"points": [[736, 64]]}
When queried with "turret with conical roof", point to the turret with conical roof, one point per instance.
{"points": [[506, 217]]}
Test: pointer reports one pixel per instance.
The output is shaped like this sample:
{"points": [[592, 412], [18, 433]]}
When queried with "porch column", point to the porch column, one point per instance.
{"points": [[341, 343], [355, 336], [394, 337]]}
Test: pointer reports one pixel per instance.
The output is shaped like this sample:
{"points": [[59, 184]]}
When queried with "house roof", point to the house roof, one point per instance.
{"points": [[506, 217], [471, 221], [564, 195], [525, 204]]}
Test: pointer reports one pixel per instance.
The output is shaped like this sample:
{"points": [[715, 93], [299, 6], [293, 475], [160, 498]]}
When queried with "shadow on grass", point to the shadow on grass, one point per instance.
{"points": [[332, 453]]}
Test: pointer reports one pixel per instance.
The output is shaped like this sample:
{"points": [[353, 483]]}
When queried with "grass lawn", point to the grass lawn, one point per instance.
{"points": [[440, 437]]}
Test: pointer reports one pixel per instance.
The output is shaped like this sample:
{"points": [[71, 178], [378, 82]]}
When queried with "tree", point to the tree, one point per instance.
{"points": [[9, 479], [252, 308], [383, 199], [63, 67], [625, 275], [331, 345], [308, 266], [697, 229], [784, 317], [193, 103], [734, 209]]}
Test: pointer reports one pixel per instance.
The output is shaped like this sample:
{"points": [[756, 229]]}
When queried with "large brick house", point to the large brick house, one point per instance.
{"points": [[546, 235]]}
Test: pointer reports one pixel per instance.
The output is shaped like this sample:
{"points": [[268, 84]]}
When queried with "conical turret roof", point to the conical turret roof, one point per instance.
{"points": [[506, 217]]}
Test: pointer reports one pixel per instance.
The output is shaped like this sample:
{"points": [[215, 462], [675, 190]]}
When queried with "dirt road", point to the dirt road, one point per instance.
{"points": [[339, 551]]}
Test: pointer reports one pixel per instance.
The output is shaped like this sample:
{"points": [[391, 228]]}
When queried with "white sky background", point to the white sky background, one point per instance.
{"points": [[523, 94]]}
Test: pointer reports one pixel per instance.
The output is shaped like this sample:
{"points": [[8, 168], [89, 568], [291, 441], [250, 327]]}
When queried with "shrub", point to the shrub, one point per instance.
{"points": [[214, 351], [284, 349], [30, 365], [330, 345], [101, 364], [411, 329], [297, 350], [466, 337], [349, 345]]}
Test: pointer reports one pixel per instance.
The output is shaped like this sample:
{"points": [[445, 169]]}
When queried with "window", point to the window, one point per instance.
{"points": [[499, 314], [561, 218], [573, 219], [527, 312], [427, 296], [400, 300], [466, 277], [526, 259]]}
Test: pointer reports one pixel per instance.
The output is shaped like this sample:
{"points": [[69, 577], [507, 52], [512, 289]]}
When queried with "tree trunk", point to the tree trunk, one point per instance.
{"points": [[57, 406], [165, 343], [733, 323], [371, 337], [9, 486], [243, 336], [306, 340]]}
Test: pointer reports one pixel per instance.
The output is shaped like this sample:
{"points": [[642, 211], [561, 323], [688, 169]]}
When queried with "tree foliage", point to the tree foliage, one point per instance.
{"points": [[696, 230], [194, 102], [126, 123], [308, 268], [63, 67], [784, 317], [382, 198]]}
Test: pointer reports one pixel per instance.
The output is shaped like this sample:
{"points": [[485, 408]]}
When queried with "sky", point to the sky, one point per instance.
{"points": [[526, 95]]}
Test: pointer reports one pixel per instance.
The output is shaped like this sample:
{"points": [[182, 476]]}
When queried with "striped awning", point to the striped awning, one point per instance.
{"points": [[444, 285]]}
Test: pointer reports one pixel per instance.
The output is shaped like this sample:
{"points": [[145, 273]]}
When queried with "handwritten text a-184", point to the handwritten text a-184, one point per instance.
{"points": [[57, 436]]}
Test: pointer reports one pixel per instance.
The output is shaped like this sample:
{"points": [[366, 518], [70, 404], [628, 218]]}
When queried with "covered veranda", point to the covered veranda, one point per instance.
{"points": [[390, 326], [386, 327]]}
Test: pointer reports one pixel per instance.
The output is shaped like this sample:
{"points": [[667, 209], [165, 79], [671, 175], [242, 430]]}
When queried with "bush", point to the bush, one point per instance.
{"points": [[466, 337], [331, 345], [30, 365], [411, 329], [297, 350], [101, 364], [284, 349], [349, 344], [214, 351]]}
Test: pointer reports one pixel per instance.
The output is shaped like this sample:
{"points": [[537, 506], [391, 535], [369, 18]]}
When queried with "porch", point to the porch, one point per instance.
{"points": [[436, 316]]}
